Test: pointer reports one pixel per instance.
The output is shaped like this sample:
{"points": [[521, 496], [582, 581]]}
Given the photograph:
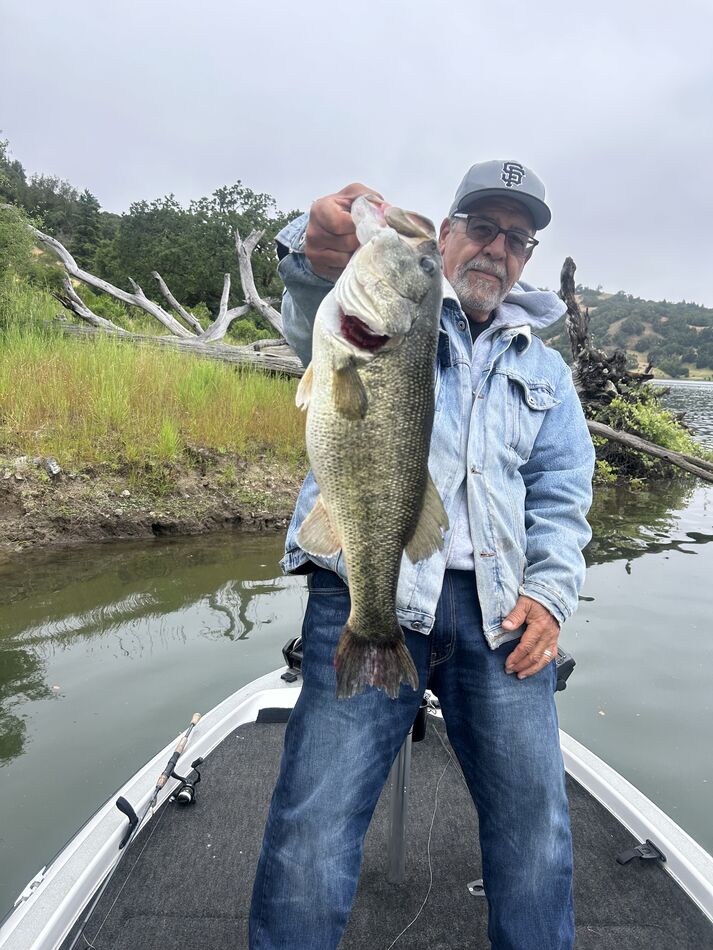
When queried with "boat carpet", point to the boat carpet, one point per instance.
{"points": [[187, 879]]}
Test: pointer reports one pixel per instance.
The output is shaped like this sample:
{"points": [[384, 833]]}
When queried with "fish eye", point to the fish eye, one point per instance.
{"points": [[428, 264]]}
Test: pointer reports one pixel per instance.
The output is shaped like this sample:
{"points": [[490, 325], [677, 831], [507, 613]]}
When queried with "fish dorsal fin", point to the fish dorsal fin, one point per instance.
{"points": [[304, 390], [316, 535], [409, 224], [350, 397], [433, 523]]}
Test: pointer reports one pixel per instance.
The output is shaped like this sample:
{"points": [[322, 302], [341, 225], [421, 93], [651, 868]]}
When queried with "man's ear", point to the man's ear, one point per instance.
{"points": [[443, 233]]}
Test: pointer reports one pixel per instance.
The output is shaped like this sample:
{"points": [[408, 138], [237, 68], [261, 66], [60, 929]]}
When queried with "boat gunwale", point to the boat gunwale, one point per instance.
{"points": [[689, 864]]}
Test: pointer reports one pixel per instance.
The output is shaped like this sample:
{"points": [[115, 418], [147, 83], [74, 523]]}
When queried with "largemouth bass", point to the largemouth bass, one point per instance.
{"points": [[369, 395]]}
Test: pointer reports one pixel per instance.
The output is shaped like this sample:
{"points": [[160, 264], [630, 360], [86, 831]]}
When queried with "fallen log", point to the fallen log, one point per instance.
{"points": [[689, 463], [273, 356]]}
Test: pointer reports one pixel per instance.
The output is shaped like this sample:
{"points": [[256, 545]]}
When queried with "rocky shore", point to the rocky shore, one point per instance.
{"points": [[43, 505]]}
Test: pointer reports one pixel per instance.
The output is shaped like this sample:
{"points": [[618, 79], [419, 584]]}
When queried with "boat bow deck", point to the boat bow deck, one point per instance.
{"points": [[188, 878]]}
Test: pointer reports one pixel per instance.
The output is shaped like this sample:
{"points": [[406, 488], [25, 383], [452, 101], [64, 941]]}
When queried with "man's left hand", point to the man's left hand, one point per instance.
{"points": [[542, 631]]}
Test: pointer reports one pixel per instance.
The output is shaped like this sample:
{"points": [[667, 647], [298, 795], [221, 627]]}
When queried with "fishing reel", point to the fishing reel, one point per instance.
{"points": [[185, 794]]}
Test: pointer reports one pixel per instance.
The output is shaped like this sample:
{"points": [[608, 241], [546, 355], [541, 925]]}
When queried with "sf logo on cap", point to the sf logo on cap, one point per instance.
{"points": [[512, 173]]}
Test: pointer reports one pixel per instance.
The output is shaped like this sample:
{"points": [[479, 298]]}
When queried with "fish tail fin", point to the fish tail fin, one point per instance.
{"points": [[361, 661]]}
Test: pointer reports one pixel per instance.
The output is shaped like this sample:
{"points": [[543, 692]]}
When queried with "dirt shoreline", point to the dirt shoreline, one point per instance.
{"points": [[39, 510]]}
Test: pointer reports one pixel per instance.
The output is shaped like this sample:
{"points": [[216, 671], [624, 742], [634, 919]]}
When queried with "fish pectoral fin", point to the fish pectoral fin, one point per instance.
{"points": [[316, 534], [304, 390], [432, 525], [350, 399]]}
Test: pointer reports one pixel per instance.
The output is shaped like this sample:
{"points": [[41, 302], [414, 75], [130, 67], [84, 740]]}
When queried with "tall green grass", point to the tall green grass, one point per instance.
{"points": [[100, 401]]}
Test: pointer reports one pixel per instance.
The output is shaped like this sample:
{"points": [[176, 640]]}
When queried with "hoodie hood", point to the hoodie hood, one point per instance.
{"points": [[524, 306]]}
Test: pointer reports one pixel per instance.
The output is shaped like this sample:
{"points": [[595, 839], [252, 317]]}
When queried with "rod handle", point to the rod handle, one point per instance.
{"points": [[184, 738]]}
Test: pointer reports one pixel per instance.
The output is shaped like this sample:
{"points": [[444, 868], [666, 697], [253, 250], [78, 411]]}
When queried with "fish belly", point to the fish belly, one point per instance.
{"points": [[372, 474]]}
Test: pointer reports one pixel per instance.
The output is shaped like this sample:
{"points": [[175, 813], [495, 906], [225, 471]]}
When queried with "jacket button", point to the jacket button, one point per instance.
{"points": [[474, 470], [461, 324], [416, 625]]}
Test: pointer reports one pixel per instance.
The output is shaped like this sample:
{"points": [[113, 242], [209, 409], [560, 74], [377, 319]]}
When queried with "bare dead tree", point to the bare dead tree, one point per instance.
{"points": [[598, 376], [186, 331]]}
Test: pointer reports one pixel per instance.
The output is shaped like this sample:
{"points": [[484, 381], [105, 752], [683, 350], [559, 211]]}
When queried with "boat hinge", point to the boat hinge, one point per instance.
{"points": [[31, 887], [648, 851]]}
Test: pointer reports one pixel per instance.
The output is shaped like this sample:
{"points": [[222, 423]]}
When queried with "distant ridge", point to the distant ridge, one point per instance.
{"points": [[676, 337]]}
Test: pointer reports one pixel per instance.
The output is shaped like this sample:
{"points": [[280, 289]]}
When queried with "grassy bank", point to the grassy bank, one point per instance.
{"points": [[166, 427], [105, 402]]}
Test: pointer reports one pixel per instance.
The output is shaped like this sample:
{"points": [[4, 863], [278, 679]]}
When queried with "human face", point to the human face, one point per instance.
{"points": [[482, 275]]}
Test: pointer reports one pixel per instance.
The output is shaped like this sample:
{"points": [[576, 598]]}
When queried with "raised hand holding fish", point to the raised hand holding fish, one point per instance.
{"points": [[330, 239]]}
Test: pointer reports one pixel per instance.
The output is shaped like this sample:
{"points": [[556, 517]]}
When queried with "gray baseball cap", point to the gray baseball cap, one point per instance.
{"points": [[503, 178]]}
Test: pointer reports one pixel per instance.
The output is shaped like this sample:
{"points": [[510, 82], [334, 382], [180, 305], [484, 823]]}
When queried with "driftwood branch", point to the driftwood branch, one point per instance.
{"points": [[138, 299], [690, 463], [72, 301], [180, 310], [216, 331], [245, 249], [219, 327]]}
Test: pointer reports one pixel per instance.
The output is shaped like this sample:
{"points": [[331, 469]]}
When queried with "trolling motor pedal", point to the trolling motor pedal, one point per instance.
{"points": [[185, 794]]}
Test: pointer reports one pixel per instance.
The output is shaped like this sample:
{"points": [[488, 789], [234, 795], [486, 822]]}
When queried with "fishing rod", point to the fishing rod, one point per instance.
{"points": [[135, 822], [126, 809]]}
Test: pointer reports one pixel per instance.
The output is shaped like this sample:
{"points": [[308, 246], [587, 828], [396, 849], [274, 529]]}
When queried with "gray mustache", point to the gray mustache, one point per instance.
{"points": [[486, 266]]}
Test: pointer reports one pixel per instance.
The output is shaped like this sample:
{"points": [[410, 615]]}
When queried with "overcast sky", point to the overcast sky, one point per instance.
{"points": [[611, 103]]}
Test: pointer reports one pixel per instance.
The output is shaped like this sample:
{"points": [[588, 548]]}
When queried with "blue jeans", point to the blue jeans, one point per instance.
{"points": [[338, 754]]}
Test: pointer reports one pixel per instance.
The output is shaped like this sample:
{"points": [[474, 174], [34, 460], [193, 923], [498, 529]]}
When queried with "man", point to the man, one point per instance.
{"points": [[512, 460]]}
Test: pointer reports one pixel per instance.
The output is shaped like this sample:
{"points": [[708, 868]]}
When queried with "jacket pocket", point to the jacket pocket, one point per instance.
{"points": [[527, 403]]}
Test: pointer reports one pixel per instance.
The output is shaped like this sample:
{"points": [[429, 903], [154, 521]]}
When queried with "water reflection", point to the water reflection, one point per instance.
{"points": [[21, 675], [126, 601], [627, 524]]}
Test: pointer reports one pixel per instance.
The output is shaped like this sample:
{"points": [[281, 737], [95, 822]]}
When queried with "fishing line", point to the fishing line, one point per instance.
{"points": [[459, 770], [90, 944], [428, 845], [135, 825]]}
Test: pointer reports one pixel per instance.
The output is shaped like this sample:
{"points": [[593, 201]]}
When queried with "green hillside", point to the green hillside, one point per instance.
{"points": [[676, 337]]}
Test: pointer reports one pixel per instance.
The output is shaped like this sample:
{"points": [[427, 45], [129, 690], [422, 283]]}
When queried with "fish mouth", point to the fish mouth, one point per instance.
{"points": [[358, 334]]}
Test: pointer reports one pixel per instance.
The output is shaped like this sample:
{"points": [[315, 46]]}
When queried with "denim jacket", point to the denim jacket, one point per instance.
{"points": [[509, 421]]}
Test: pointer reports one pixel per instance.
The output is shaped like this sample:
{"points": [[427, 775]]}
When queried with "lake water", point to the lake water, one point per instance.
{"points": [[106, 651], [695, 398]]}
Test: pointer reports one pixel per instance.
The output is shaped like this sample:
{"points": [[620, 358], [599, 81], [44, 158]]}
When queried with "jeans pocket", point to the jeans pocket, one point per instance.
{"points": [[324, 582]]}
